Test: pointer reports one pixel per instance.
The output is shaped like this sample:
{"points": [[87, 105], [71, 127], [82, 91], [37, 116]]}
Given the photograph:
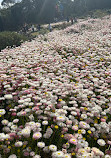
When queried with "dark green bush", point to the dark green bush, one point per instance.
{"points": [[11, 39]]}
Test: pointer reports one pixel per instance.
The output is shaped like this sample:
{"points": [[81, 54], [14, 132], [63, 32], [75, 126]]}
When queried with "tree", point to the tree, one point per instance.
{"points": [[44, 11], [8, 3]]}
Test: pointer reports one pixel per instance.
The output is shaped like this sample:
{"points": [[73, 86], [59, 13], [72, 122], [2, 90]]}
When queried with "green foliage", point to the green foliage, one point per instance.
{"points": [[61, 26], [99, 13], [10, 39]]}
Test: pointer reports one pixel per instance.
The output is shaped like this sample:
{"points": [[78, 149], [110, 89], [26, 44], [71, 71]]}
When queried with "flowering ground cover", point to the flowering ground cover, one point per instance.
{"points": [[55, 98]]}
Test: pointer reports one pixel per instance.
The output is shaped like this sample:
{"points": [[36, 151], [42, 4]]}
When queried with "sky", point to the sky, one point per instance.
{"points": [[16, 1], [0, 2]]}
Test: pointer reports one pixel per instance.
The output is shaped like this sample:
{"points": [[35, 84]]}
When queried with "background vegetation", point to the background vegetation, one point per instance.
{"points": [[14, 15], [11, 39]]}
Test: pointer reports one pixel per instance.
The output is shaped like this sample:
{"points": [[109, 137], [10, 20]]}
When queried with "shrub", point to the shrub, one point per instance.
{"points": [[11, 39]]}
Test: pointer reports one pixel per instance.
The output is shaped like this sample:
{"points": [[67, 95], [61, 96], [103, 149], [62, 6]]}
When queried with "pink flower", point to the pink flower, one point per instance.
{"points": [[23, 113], [68, 122], [37, 135], [36, 108], [103, 120], [73, 141], [14, 114], [26, 153], [109, 142], [75, 128]]}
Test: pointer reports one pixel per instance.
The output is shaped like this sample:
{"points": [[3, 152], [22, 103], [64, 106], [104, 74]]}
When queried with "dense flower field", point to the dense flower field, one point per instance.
{"points": [[55, 97]]}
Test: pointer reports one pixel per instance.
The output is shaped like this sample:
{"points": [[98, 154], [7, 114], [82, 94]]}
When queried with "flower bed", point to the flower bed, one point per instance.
{"points": [[56, 94]]}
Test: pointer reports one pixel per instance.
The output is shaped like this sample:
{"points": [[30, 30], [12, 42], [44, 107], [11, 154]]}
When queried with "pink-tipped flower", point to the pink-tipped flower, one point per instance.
{"points": [[37, 135], [75, 128], [73, 141], [14, 114]]}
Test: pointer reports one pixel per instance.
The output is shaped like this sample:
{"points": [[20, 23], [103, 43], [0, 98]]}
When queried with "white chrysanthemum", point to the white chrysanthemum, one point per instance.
{"points": [[2, 136], [21, 101], [8, 96], [10, 124], [58, 154], [47, 135], [26, 132], [15, 120], [6, 136], [18, 144], [49, 131], [6, 129], [37, 124], [12, 156], [46, 149], [37, 156], [67, 156], [52, 148], [85, 155], [101, 142], [45, 122], [2, 111], [14, 127], [91, 155], [88, 149], [32, 123], [107, 156], [84, 116], [60, 118], [81, 151], [31, 117], [5, 122], [41, 144]]}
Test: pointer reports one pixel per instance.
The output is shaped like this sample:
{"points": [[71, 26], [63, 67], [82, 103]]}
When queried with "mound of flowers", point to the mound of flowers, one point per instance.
{"points": [[55, 94]]}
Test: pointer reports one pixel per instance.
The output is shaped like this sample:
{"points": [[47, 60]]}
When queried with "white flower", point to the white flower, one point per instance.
{"points": [[5, 122], [37, 124], [88, 149], [20, 101], [26, 132], [2, 111], [8, 96], [32, 123], [82, 143], [84, 116], [52, 148], [58, 154], [10, 124], [12, 156], [15, 120], [14, 127], [41, 144], [67, 156], [46, 149], [49, 131], [47, 135], [2, 136], [107, 156], [85, 155], [31, 117], [18, 144], [45, 122], [60, 118], [6, 136], [90, 155], [37, 156], [101, 142]]}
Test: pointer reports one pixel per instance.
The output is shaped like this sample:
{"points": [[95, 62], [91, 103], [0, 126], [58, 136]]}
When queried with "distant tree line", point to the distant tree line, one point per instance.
{"points": [[13, 15]]}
